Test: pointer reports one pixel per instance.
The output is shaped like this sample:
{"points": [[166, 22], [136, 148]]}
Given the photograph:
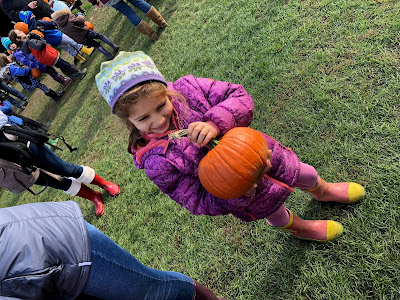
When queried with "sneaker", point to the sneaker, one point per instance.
{"points": [[53, 142]]}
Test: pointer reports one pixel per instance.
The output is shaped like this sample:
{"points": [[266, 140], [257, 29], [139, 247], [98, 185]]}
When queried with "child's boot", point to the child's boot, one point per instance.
{"points": [[86, 50], [105, 52], [79, 189], [78, 74], [313, 230], [64, 80], [203, 293], [80, 58], [109, 42], [156, 17], [345, 192], [88, 176], [145, 29], [53, 95]]}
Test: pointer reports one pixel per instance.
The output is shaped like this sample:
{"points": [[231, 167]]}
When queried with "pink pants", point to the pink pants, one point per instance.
{"points": [[308, 179]]}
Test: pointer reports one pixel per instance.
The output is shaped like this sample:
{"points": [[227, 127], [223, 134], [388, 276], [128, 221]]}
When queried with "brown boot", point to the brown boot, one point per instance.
{"points": [[203, 293], [156, 17], [145, 29]]}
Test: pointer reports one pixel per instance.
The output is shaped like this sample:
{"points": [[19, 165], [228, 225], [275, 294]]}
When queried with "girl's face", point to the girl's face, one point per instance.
{"points": [[13, 47], [152, 114]]}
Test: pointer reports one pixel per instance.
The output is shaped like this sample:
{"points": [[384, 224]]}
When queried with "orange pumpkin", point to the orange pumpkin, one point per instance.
{"points": [[89, 25], [231, 168], [38, 33], [9, 51], [47, 19], [21, 26], [36, 73], [46, 2]]}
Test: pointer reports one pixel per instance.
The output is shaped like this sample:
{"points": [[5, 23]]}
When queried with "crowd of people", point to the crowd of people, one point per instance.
{"points": [[78, 258]]}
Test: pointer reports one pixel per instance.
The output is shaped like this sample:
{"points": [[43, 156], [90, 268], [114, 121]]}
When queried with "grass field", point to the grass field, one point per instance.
{"points": [[324, 76]]}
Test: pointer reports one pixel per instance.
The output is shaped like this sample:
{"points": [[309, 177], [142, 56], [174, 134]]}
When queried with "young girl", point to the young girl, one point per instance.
{"points": [[11, 71], [74, 26], [153, 108]]}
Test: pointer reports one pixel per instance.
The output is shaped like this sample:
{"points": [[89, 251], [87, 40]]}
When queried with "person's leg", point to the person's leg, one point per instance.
{"points": [[70, 70], [12, 91], [69, 45], [49, 92], [14, 102], [141, 4], [346, 192], [128, 12], [57, 77], [116, 274]]}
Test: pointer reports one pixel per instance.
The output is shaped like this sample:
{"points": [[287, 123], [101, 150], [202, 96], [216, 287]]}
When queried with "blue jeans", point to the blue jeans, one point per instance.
{"points": [[47, 160], [128, 12], [13, 92], [116, 274]]}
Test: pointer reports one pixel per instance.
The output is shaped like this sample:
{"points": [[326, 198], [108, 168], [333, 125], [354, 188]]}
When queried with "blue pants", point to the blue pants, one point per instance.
{"points": [[116, 274], [128, 12], [13, 92], [47, 160]]}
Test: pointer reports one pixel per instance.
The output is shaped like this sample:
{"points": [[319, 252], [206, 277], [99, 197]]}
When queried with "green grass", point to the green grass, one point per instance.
{"points": [[324, 77]]}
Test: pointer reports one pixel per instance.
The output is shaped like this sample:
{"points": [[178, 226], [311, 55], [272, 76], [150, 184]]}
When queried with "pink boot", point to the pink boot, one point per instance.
{"points": [[346, 192], [318, 230], [88, 176]]}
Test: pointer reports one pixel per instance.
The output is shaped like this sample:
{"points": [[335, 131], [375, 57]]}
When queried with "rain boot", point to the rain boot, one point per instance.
{"points": [[78, 74], [79, 189], [105, 52], [89, 176], [313, 230], [145, 29], [156, 17], [86, 50], [109, 42], [64, 80], [79, 58], [53, 95], [345, 192], [203, 293]]}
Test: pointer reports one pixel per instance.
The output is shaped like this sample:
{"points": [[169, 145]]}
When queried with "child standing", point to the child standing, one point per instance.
{"points": [[74, 26], [11, 71], [54, 36], [30, 61], [152, 108], [44, 53]]}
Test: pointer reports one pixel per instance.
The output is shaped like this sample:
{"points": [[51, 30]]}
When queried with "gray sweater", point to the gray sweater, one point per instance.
{"points": [[45, 251]]}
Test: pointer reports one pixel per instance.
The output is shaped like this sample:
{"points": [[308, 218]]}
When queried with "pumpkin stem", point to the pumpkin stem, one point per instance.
{"points": [[183, 132]]}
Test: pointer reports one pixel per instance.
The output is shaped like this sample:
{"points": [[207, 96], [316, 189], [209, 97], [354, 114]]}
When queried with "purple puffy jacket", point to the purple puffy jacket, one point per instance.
{"points": [[175, 172]]}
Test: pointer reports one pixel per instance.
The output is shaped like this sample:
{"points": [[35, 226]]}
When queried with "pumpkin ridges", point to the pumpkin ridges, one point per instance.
{"points": [[205, 174], [259, 139]]}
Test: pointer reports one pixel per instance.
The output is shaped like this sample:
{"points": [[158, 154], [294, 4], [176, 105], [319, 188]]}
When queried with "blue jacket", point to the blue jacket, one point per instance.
{"points": [[29, 60], [6, 108], [45, 251]]}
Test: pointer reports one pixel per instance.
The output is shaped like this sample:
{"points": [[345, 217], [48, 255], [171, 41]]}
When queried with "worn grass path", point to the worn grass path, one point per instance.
{"points": [[325, 80]]}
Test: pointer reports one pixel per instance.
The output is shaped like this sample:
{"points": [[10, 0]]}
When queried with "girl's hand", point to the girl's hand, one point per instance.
{"points": [[201, 133], [268, 166], [32, 4]]}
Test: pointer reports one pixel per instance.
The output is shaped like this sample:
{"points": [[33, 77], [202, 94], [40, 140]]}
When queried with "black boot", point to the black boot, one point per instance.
{"points": [[78, 74], [110, 42], [63, 80], [105, 52], [53, 95]]}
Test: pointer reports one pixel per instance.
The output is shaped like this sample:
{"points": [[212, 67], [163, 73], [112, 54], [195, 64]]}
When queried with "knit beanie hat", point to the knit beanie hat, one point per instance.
{"points": [[125, 71], [6, 42]]}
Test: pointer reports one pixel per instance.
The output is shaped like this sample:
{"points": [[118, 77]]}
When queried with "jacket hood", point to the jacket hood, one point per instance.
{"points": [[61, 17]]}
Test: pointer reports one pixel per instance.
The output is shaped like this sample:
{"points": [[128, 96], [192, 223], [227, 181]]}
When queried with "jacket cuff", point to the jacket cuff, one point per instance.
{"points": [[215, 126]]}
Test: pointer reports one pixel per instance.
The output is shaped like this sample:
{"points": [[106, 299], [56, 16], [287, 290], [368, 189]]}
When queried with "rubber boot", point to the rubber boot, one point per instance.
{"points": [[79, 74], [318, 230], [86, 50], [80, 58], [105, 52], [109, 42], [203, 293], [94, 196], [64, 80], [108, 186], [53, 95], [345, 192], [156, 17], [145, 29]]}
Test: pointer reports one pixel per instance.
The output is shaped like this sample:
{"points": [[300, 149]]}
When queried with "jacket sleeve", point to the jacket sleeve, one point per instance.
{"points": [[25, 61], [183, 188], [18, 71], [78, 21], [12, 13], [6, 107], [37, 44], [225, 104], [48, 25]]}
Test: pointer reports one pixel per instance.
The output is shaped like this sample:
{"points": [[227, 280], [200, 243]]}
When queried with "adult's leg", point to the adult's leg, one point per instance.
{"points": [[13, 91], [141, 4], [128, 12], [116, 274], [14, 102], [70, 45]]}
